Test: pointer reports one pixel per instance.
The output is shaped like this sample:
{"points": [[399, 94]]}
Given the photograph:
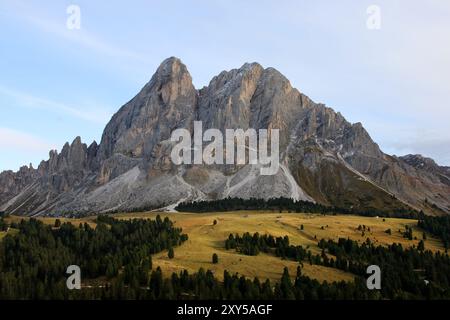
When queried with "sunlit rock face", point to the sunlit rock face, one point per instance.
{"points": [[323, 158]]}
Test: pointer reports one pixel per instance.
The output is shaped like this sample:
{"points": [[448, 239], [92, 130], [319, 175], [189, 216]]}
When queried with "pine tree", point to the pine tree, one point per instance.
{"points": [[286, 285], [171, 253], [421, 246]]}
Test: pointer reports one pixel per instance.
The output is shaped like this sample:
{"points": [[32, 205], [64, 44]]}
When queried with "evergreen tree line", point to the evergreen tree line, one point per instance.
{"points": [[411, 273], [290, 205], [204, 285], [3, 225], [252, 245], [116, 264], [407, 273], [33, 262], [437, 226]]}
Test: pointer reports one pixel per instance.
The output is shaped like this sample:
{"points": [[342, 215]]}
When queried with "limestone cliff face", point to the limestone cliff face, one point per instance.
{"points": [[428, 165], [11, 183], [53, 180], [167, 102], [324, 158]]}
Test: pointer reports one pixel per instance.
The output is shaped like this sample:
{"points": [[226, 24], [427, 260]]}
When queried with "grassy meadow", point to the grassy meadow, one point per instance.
{"points": [[206, 238]]}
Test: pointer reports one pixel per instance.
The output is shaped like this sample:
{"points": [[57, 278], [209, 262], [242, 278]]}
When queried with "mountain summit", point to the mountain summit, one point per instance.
{"points": [[324, 158]]}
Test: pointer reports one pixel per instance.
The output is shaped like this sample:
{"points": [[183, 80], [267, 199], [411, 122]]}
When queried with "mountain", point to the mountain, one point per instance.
{"points": [[429, 165], [324, 158]]}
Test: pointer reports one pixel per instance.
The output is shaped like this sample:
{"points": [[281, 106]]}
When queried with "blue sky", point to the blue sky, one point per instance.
{"points": [[56, 83]]}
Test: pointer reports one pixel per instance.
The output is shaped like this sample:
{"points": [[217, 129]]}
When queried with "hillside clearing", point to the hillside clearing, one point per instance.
{"points": [[205, 239]]}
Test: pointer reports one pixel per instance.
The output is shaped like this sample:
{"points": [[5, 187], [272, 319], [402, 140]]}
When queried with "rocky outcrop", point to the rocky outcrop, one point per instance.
{"points": [[52, 182], [11, 183], [428, 165], [324, 158], [167, 102]]}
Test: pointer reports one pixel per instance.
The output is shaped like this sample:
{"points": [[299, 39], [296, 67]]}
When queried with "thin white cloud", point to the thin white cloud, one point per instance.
{"points": [[82, 37], [14, 140], [96, 114]]}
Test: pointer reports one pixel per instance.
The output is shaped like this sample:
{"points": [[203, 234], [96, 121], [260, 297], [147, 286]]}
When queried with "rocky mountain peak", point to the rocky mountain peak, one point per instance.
{"points": [[172, 66], [418, 160], [323, 157], [172, 79], [168, 101], [76, 141]]}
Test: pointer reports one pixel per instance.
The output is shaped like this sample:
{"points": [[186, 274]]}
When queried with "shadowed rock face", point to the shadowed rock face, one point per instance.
{"points": [[426, 164], [324, 158], [167, 102], [11, 183]]}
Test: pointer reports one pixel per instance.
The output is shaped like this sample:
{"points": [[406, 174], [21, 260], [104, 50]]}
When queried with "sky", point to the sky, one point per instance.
{"points": [[388, 69]]}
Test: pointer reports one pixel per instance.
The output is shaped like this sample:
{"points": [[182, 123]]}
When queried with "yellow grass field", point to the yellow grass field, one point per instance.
{"points": [[205, 238], [51, 221]]}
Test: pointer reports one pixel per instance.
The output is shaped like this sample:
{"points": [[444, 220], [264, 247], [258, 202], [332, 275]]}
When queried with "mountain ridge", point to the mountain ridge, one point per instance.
{"points": [[324, 158]]}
